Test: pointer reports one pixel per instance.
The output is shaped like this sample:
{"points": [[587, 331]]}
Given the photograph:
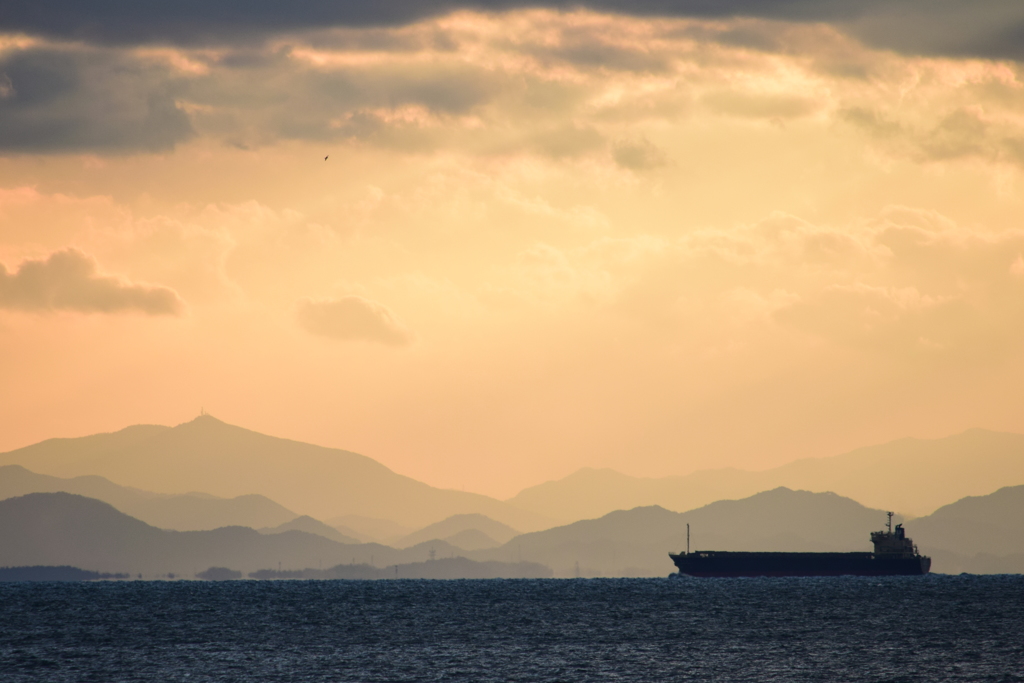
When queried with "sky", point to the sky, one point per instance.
{"points": [[489, 243]]}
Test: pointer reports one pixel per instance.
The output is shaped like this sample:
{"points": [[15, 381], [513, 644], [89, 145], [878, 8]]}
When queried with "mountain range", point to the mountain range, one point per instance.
{"points": [[227, 461], [613, 525], [469, 532], [62, 529], [637, 542], [977, 525], [55, 529], [307, 524], [183, 512], [912, 476], [261, 481], [982, 534]]}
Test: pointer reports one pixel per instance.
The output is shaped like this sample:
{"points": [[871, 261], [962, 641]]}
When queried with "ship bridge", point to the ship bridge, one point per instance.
{"points": [[893, 541]]}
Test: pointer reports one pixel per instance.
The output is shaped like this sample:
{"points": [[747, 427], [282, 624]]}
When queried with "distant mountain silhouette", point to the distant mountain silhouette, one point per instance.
{"points": [[978, 534], [66, 529], [458, 525], [637, 542], [65, 452], [186, 512], [369, 529], [912, 476], [471, 539], [209, 455], [311, 526], [53, 529]]}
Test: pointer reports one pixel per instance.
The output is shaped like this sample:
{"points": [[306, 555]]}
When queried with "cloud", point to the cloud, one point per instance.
{"points": [[69, 280], [885, 318], [570, 86], [639, 155], [906, 284], [986, 28], [352, 318], [760, 105], [992, 29], [87, 100]]}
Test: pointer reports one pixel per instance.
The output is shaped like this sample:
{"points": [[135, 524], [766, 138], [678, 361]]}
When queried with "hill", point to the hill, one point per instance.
{"points": [[369, 529], [311, 526], [979, 530], [979, 534], [65, 529], [227, 461], [186, 512], [913, 476], [471, 539], [489, 533], [589, 493], [62, 529], [637, 542]]}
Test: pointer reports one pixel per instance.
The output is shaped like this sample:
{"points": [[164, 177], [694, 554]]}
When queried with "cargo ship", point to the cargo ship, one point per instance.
{"points": [[894, 555]]}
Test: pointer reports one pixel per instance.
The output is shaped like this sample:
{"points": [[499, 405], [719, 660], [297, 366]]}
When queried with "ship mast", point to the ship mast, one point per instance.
{"points": [[687, 538], [889, 523]]}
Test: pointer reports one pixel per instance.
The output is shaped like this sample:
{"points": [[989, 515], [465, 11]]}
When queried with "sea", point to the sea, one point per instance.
{"points": [[931, 628]]}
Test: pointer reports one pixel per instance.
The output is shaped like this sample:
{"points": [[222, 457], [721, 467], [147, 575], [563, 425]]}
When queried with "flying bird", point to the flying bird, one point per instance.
{"points": [[325, 158]]}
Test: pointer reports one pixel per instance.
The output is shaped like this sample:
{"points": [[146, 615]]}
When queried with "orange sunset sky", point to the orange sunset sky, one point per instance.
{"points": [[546, 236]]}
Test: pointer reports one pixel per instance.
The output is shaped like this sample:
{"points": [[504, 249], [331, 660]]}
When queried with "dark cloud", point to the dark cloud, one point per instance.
{"points": [[68, 280], [285, 98], [85, 100], [987, 28], [202, 21], [352, 318], [590, 47], [992, 29]]}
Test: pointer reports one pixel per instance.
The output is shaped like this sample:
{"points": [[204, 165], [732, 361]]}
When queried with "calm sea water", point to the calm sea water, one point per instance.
{"points": [[935, 628]]}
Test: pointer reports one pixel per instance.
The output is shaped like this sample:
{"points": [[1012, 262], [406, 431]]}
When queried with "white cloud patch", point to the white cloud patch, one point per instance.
{"points": [[70, 280], [353, 318]]}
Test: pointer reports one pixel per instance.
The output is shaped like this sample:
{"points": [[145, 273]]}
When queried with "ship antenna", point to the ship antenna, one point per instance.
{"points": [[889, 524], [687, 538]]}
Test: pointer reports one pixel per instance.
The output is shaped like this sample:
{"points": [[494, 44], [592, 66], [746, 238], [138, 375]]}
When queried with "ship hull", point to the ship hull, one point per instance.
{"points": [[739, 564]]}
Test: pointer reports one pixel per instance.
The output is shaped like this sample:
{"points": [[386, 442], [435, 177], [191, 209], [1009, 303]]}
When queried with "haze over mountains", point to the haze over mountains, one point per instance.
{"points": [[992, 525], [470, 532], [308, 525], [912, 476], [227, 461], [56, 529], [366, 500], [616, 525], [637, 542], [183, 512]]}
